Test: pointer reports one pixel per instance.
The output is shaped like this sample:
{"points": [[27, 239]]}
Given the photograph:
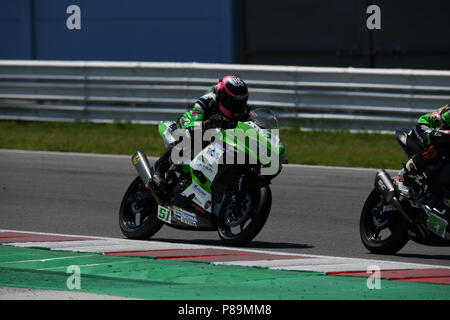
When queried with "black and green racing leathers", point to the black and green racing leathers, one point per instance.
{"points": [[433, 135], [432, 128], [205, 114]]}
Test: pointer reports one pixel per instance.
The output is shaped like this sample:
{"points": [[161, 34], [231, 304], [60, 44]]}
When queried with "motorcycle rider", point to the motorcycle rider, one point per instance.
{"points": [[221, 107], [433, 135]]}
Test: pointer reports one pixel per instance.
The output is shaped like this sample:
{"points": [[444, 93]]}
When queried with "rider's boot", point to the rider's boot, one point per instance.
{"points": [[405, 178], [415, 167]]}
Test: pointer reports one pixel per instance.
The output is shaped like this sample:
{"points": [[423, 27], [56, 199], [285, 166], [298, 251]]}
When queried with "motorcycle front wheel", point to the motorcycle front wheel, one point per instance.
{"points": [[239, 228], [138, 212], [381, 231]]}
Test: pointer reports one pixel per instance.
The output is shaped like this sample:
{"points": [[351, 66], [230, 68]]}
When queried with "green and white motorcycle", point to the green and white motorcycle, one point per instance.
{"points": [[225, 187]]}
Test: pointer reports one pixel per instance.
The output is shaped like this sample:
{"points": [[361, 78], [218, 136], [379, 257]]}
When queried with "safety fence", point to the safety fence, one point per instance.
{"points": [[147, 92]]}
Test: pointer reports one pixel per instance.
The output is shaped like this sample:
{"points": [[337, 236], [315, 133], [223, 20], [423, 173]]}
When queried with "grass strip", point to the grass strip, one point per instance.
{"points": [[332, 148]]}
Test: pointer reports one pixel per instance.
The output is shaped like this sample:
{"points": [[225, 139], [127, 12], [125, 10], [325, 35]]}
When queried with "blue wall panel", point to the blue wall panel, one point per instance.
{"points": [[15, 29], [138, 30]]}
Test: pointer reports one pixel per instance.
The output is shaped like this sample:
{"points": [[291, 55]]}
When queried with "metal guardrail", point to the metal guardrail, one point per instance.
{"points": [[147, 92]]}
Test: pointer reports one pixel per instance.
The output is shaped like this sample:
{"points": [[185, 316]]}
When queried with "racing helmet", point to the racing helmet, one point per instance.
{"points": [[232, 97]]}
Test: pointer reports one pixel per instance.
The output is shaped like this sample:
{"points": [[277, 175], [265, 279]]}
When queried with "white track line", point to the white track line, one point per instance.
{"points": [[305, 262], [50, 259], [100, 246]]}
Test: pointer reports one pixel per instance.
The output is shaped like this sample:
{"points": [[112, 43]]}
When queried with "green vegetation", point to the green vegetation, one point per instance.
{"points": [[334, 148], [117, 138], [342, 148]]}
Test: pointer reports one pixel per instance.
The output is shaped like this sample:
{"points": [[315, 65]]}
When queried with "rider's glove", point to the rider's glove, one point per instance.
{"points": [[218, 121]]}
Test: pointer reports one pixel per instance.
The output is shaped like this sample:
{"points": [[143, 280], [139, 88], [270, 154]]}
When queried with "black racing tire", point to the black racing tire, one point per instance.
{"points": [[150, 224], [262, 197], [396, 224]]}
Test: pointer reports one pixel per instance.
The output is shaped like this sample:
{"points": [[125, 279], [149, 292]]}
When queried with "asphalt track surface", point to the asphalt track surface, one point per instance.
{"points": [[315, 210]]}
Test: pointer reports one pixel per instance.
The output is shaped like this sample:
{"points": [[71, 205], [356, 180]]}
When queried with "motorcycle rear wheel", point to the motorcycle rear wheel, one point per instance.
{"points": [[374, 224], [138, 212]]}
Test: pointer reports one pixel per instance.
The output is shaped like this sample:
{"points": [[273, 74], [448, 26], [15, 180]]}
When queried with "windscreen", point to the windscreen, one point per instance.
{"points": [[264, 118]]}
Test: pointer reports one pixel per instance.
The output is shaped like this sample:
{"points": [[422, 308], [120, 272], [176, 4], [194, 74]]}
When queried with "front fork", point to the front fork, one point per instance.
{"points": [[239, 201]]}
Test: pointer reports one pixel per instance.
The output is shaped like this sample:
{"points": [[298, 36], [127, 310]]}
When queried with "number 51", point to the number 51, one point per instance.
{"points": [[164, 214]]}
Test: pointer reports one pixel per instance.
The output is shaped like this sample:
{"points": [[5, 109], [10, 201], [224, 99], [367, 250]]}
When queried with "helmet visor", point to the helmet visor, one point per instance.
{"points": [[237, 105]]}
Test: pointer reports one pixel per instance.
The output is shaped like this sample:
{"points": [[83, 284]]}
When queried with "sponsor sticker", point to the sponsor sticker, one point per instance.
{"points": [[436, 225], [201, 196], [185, 217], [213, 153], [136, 159], [177, 215], [447, 202], [200, 191], [389, 208]]}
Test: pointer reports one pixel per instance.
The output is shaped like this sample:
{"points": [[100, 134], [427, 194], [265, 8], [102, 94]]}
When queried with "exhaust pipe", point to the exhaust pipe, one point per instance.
{"points": [[142, 166], [384, 185]]}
